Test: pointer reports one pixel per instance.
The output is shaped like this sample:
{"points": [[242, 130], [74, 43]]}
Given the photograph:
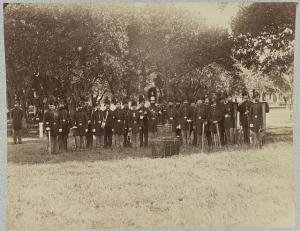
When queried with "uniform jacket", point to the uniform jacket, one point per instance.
{"points": [[228, 116], [17, 116], [64, 121], [244, 110], [133, 121], [200, 116], [108, 118], [185, 115], [119, 121], [144, 115], [97, 119], [171, 117], [256, 115], [51, 120], [81, 122], [215, 113], [153, 117]]}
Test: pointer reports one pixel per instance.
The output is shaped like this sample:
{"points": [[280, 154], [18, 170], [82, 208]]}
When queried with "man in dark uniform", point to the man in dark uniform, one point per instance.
{"points": [[177, 119], [214, 119], [64, 126], [107, 124], [51, 121], [185, 121], [118, 125], [193, 132], [126, 112], [171, 116], [244, 110], [221, 108], [17, 116], [228, 120], [162, 111], [80, 126], [89, 135], [153, 118], [143, 113], [98, 131], [199, 118], [256, 118], [133, 123]]}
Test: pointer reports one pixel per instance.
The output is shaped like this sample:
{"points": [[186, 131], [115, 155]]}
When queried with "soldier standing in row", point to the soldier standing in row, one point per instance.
{"points": [[98, 131], [256, 118], [126, 113], [133, 123], [51, 121], [199, 118], [153, 118], [107, 124], [64, 126], [244, 110], [228, 120], [143, 122], [214, 118], [171, 116], [89, 135], [17, 116], [185, 121], [177, 119], [80, 126], [119, 125]]}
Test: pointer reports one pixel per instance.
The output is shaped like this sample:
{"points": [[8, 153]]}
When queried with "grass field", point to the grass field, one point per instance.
{"points": [[245, 188]]}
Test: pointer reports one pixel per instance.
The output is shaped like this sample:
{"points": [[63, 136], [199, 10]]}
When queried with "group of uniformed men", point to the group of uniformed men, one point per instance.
{"points": [[210, 120]]}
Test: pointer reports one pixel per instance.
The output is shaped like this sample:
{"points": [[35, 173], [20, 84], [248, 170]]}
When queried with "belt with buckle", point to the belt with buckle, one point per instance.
{"points": [[185, 117]]}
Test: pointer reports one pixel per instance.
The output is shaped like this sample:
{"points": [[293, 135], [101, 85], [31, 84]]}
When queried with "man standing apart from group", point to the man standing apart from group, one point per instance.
{"points": [[17, 116]]}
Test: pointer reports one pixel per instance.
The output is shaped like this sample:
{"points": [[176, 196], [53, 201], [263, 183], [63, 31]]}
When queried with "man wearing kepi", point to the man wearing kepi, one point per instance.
{"points": [[153, 114], [171, 116], [185, 121], [107, 124], [143, 113], [214, 118], [89, 135], [126, 113], [64, 126], [244, 110], [80, 124], [98, 131], [51, 121], [200, 116], [17, 116], [119, 125], [228, 120], [256, 118], [133, 123]]}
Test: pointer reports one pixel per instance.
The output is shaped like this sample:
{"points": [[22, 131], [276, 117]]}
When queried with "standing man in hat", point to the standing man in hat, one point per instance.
{"points": [[98, 131], [244, 110], [153, 118], [199, 118], [171, 116], [126, 113], [51, 121], [228, 120], [143, 113], [256, 118], [185, 118], [89, 135], [17, 116], [119, 125], [177, 119], [80, 126], [107, 124], [133, 123], [64, 126], [214, 119]]}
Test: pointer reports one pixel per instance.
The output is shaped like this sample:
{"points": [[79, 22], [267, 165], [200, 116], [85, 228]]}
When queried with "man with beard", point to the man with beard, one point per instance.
{"points": [[80, 126], [98, 131], [51, 121], [64, 126], [133, 123], [199, 118]]}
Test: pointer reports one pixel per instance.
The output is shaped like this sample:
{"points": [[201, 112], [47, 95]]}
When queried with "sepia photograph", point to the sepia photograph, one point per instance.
{"points": [[149, 115]]}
